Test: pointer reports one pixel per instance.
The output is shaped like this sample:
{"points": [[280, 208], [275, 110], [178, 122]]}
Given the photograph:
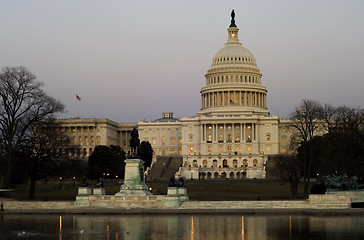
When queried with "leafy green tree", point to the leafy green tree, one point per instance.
{"points": [[106, 160], [146, 153]]}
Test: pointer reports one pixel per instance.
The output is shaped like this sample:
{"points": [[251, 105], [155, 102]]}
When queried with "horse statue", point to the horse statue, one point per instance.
{"points": [[134, 143]]}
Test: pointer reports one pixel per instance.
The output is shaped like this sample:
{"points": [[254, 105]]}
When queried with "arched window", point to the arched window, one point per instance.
{"points": [[255, 162], [245, 163], [194, 163], [235, 163], [204, 163], [214, 164], [225, 163]]}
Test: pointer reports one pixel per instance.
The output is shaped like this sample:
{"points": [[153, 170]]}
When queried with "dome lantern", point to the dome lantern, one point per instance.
{"points": [[233, 31]]}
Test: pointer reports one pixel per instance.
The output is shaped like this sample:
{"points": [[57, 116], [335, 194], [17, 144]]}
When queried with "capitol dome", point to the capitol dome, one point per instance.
{"points": [[233, 82]]}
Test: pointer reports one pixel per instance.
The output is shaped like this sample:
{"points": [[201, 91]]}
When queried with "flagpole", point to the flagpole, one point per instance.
{"points": [[78, 99], [76, 109]]}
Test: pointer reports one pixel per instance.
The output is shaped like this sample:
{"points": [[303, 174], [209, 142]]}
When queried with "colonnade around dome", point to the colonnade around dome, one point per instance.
{"points": [[234, 98]]}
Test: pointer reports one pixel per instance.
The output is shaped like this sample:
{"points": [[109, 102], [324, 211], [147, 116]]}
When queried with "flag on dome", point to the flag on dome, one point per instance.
{"points": [[232, 102], [78, 98]]}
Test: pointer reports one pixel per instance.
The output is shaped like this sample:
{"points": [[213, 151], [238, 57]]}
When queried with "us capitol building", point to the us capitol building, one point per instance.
{"points": [[231, 137]]}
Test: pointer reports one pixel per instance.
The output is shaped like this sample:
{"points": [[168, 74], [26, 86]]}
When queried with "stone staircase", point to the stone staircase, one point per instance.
{"points": [[164, 168]]}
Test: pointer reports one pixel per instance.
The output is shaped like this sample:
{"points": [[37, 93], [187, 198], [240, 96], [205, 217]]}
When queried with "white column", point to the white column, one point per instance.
{"points": [[201, 132], [233, 132], [213, 133], [216, 130], [241, 132], [244, 131], [205, 131], [224, 132]]}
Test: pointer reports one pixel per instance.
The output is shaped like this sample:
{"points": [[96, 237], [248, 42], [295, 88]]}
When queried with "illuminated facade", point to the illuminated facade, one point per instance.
{"points": [[232, 135]]}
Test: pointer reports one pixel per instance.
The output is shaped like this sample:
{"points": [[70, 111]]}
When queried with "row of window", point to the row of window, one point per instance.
{"points": [[77, 152], [240, 59], [229, 149], [235, 78], [163, 131], [223, 175], [78, 129], [163, 141], [87, 140], [224, 163]]}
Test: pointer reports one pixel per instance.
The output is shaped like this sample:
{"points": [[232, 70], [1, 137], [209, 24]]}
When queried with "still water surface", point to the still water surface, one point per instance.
{"points": [[192, 227]]}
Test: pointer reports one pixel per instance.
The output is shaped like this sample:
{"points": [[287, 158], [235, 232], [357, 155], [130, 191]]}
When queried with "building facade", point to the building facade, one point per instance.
{"points": [[232, 135]]}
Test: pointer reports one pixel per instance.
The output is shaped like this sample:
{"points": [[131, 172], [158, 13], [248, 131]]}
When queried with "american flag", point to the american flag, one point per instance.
{"points": [[232, 102], [78, 98]]}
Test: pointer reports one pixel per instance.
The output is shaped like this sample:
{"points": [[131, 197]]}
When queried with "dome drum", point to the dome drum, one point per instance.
{"points": [[234, 98]]}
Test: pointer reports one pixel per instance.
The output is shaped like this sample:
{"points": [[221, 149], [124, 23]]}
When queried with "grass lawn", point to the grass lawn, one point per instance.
{"points": [[197, 190]]}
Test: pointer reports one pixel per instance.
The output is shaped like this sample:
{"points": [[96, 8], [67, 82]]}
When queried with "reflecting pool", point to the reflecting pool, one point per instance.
{"points": [[246, 227]]}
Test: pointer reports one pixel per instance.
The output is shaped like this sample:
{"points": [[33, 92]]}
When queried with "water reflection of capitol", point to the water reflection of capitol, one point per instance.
{"points": [[173, 227], [181, 226], [227, 227], [229, 138]]}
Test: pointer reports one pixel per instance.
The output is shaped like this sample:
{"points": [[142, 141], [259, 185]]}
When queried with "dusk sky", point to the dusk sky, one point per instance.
{"points": [[133, 60]]}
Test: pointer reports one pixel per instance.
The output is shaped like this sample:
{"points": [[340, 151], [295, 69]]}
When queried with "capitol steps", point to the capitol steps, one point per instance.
{"points": [[164, 168]]}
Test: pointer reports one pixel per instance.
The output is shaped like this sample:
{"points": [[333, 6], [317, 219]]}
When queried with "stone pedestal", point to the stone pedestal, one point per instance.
{"points": [[84, 191], [98, 191], [180, 192], [134, 183]]}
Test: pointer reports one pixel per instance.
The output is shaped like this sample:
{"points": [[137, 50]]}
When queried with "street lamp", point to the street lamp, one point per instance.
{"points": [[60, 182]]}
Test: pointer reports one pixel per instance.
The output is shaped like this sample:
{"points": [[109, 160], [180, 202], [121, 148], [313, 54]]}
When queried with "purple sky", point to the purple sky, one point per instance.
{"points": [[133, 60]]}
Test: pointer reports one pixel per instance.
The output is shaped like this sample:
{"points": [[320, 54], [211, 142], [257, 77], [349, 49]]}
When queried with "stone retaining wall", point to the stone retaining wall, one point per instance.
{"points": [[111, 201], [324, 201], [13, 204]]}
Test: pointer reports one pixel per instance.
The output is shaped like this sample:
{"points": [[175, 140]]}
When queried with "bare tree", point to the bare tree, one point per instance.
{"points": [[306, 122], [48, 152], [343, 119], [22, 103]]}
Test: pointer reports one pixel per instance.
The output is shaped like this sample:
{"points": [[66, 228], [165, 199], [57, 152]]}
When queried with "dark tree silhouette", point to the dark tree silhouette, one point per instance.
{"points": [[22, 103], [288, 168], [106, 160], [306, 122], [146, 153], [48, 152]]}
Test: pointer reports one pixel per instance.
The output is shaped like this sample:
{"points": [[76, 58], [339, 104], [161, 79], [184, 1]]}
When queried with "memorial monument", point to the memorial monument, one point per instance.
{"points": [[134, 181]]}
